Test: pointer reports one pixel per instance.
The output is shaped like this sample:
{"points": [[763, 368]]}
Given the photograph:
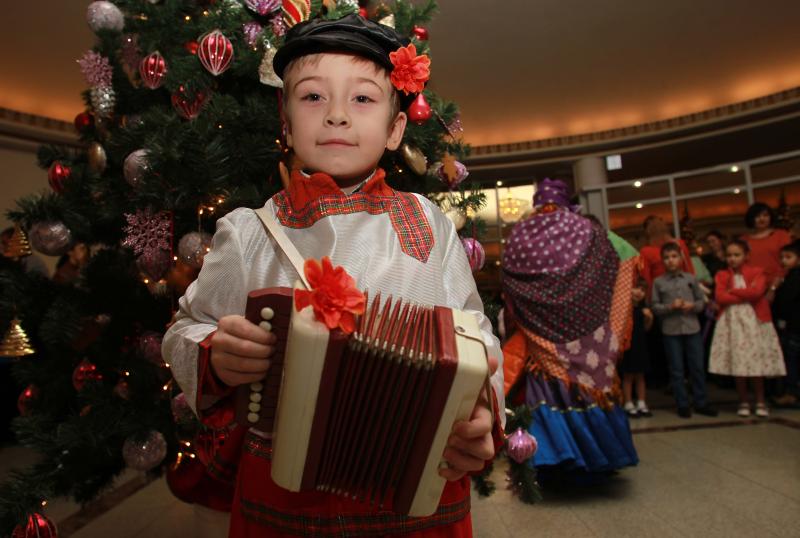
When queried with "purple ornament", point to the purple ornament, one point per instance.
{"points": [[278, 25], [521, 445], [148, 232], [155, 264], [452, 183], [251, 32], [52, 238], [475, 253], [144, 453], [135, 167], [96, 69], [193, 247], [150, 347], [263, 7]]}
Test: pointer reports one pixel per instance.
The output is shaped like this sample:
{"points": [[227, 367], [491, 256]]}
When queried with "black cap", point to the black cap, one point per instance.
{"points": [[352, 33]]}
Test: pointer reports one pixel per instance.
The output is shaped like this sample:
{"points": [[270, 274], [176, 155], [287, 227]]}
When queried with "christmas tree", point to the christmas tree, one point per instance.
{"points": [[182, 125]]}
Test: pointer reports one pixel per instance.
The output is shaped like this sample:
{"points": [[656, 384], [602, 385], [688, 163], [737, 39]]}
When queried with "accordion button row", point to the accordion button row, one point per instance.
{"points": [[254, 407], [252, 418], [267, 313], [256, 387], [255, 397]]}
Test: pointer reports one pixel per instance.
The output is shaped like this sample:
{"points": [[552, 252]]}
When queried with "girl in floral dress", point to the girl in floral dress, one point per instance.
{"points": [[745, 343]]}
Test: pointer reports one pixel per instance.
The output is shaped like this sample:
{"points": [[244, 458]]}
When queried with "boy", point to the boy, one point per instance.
{"points": [[342, 100], [786, 313], [676, 301]]}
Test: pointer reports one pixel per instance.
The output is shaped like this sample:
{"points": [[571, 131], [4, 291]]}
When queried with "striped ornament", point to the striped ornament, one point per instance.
{"points": [[215, 52], [295, 11], [475, 253]]}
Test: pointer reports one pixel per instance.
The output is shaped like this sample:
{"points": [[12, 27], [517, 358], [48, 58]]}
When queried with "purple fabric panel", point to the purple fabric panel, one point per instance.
{"points": [[592, 358]]}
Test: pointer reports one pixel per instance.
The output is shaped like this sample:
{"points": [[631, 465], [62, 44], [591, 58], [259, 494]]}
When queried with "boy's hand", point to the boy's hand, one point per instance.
{"points": [[240, 351], [470, 444], [677, 304], [687, 306]]}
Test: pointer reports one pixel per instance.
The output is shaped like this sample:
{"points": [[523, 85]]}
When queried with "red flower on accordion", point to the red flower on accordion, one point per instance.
{"points": [[333, 295], [410, 72]]}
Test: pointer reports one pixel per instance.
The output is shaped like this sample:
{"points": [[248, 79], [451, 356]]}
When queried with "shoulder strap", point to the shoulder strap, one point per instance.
{"points": [[288, 248]]}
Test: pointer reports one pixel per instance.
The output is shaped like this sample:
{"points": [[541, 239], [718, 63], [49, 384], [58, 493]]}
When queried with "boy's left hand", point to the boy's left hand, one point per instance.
{"points": [[470, 444]]}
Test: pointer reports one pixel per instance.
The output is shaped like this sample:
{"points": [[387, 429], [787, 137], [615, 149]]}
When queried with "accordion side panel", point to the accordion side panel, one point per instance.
{"points": [[471, 370], [303, 366]]}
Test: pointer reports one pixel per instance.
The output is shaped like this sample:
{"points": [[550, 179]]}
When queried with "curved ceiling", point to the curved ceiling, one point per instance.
{"points": [[519, 70]]}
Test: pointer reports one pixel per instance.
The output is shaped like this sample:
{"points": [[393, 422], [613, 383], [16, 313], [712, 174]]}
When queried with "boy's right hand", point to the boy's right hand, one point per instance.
{"points": [[240, 351]]}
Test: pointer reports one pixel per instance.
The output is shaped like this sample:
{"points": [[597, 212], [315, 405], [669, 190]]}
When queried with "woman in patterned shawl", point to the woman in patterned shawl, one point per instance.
{"points": [[570, 294]]}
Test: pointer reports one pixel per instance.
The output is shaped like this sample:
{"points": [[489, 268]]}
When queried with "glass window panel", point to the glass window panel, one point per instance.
{"points": [[627, 221], [722, 212], [631, 194], [775, 170], [791, 193], [709, 182]]}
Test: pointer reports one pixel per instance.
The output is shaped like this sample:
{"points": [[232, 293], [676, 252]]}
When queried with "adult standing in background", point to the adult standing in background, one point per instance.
{"points": [[714, 259], [765, 243], [656, 234]]}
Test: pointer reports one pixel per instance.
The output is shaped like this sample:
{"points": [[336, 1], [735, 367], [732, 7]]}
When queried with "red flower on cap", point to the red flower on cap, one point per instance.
{"points": [[410, 72], [333, 295]]}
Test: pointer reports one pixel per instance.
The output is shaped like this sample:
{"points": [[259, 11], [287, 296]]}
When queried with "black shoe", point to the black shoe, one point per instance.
{"points": [[707, 411], [684, 412]]}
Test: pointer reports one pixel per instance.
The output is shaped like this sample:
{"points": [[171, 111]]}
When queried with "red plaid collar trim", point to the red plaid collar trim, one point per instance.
{"points": [[309, 199]]}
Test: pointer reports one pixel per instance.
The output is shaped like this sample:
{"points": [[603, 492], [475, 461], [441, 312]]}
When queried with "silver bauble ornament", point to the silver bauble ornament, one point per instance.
{"points": [[52, 238], [103, 101], [96, 154], [415, 159], [136, 167], [193, 247], [144, 453], [103, 15]]}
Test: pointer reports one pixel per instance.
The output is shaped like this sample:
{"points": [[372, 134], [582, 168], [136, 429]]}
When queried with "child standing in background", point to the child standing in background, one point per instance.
{"points": [[786, 313], [635, 362], [745, 343]]}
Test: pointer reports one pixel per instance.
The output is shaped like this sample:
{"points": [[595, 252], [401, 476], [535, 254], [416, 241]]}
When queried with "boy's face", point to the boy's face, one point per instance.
{"points": [[338, 116], [789, 259], [672, 261]]}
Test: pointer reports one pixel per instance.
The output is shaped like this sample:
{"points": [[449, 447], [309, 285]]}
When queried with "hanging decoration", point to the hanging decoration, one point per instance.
{"points": [[84, 373], [419, 111], [188, 106], [51, 238], [136, 167], [15, 343], [153, 69], [252, 31], [450, 171], [420, 33], [148, 232], [155, 264], [57, 174], [96, 155], [193, 247], [17, 245], [144, 454], [388, 20], [266, 74], [415, 159], [37, 526], [521, 445], [103, 15], [27, 399], [295, 11], [215, 52], [263, 7], [96, 69], [84, 122], [475, 253], [103, 101]]}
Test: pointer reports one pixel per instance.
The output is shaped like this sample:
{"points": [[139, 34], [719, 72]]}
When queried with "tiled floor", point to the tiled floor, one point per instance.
{"points": [[698, 477]]}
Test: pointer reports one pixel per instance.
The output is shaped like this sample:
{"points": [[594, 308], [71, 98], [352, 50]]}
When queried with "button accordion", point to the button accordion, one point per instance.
{"points": [[365, 415]]}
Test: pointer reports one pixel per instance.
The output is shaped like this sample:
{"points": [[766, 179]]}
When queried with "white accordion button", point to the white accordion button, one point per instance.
{"points": [[252, 417], [256, 387], [254, 407], [267, 313], [266, 325], [255, 397]]}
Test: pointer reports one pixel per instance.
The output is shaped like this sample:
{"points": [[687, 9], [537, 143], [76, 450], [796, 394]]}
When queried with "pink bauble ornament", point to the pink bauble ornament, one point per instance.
{"points": [[52, 238], [263, 7], [521, 445], [153, 70], [475, 253], [189, 106], [37, 526], [57, 174], [453, 181], [252, 30], [419, 111], [215, 52], [150, 347], [193, 247], [84, 373], [144, 453], [135, 167]]}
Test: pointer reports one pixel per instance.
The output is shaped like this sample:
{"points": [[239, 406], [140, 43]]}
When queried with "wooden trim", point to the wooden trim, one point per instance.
{"points": [[21, 131]]}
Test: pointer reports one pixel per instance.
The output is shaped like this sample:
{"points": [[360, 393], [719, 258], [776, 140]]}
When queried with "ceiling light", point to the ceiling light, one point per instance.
{"points": [[637, 183], [736, 191], [734, 168], [499, 183], [639, 205]]}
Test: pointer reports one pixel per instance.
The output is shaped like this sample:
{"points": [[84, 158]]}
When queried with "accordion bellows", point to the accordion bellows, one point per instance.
{"points": [[368, 415]]}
